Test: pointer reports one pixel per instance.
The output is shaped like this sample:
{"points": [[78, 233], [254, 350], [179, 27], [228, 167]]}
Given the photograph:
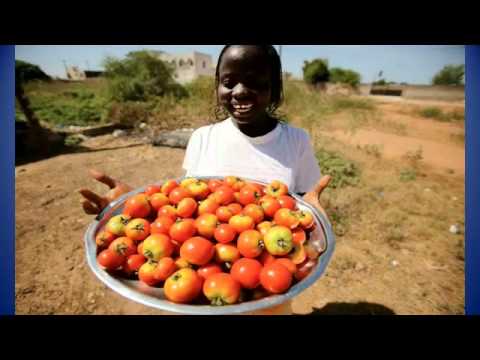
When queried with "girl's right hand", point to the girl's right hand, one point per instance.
{"points": [[94, 203]]}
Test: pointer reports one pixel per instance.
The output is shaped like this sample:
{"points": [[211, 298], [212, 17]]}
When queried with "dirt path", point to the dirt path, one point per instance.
{"points": [[442, 157]]}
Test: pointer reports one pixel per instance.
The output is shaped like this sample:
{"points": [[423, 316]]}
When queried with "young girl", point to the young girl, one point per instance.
{"points": [[252, 142]]}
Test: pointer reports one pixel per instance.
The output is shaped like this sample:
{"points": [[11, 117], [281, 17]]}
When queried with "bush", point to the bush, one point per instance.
{"points": [[69, 108], [140, 76], [437, 114], [202, 87], [450, 75], [128, 113], [344, 76], [316, 71], [25, 72], [342, 171]]}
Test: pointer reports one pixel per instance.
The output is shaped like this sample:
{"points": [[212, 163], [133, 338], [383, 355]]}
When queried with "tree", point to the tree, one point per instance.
{"points": [[38, 140], [139, 76], [316, 71], [450, 75], [25, 72], [345, 76]]}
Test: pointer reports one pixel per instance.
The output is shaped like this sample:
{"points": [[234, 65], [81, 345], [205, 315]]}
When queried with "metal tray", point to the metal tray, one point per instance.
{"points": [[155, 298]]}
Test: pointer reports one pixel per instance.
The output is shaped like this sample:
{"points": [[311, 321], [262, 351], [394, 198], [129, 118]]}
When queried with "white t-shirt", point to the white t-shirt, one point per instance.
{"points": [[284, 154]]}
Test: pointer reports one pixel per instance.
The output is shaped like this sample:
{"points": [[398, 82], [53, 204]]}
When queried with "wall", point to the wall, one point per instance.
{"points": [[427, 92]]}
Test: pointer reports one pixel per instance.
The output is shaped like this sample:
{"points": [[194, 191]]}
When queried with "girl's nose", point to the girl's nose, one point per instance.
{"points": [[240, 90]]}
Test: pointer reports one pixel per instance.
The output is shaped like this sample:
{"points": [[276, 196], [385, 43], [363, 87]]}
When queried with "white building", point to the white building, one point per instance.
{"points": [[188, 66]]}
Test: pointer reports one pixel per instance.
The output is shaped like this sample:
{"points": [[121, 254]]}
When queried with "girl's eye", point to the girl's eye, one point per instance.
{"points": [[227, 83]]}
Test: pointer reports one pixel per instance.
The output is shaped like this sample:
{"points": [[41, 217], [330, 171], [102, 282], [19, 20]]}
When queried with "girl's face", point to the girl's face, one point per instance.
{"points": [[244, 87]]}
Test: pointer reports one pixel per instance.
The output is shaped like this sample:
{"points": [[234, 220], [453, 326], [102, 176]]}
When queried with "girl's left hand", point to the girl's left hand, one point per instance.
{"points": [[313, 196]]}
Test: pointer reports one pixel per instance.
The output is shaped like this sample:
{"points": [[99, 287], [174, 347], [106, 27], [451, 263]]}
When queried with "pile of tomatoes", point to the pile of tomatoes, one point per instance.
{"points": [[216, 241]]}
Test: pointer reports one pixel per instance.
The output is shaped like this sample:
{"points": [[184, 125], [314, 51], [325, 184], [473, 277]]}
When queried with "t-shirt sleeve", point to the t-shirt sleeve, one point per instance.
{"points": [[308, 172], [192, 152]]}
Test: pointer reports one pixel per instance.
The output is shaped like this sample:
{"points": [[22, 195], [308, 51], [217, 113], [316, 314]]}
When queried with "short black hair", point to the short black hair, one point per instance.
{"points": [[276, 75]]}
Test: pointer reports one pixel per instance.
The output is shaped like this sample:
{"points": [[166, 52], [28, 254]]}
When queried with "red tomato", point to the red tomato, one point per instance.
{"points": [[287, 202], [158, 200], [235, 208], [133, 263], [145, 273], [110, 259], [206, 270], [153, 189], [287, 218], [288, 264], [206, 225], [123, 246], [197, 250], [140, 248], [178, 194], [137, 206], [264, 226], [241, 223], [299, 236], [247, 272], [275, 278], [183, 286], [199, 189], [224, 233], [161, 225], [248, 195], [168, 210], [255, 212], [234, 182], [214, 184], [266, 258], [270, 205], [165, 267], [224, 195], [182, 230], [208, 206], [168, 186], [225, 253], [223, 213], [250, 243], [137, 229], [157, 246], [186, 207], [221, 289], [104, 239]]}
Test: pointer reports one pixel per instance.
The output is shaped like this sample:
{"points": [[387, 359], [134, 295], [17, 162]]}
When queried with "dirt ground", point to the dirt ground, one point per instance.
{"points": [[422, 275]]}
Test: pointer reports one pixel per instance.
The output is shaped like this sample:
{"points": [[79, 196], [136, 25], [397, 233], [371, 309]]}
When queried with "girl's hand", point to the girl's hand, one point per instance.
{"points": [[313, 196], [94, 203]]}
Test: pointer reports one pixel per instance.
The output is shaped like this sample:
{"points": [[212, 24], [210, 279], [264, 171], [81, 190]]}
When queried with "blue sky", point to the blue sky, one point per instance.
{"points": [[414, 64]]}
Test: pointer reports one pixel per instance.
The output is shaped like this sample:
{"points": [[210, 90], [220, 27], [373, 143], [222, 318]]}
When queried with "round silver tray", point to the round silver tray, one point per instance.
{"points": [[155, 298]]}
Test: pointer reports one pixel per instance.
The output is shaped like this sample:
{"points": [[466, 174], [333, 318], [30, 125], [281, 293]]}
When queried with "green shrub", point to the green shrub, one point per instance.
{"points": [[342, 171], [408, 175], [450, 75], [140, 76], [344, 76], [25, 72], [316, 71]]}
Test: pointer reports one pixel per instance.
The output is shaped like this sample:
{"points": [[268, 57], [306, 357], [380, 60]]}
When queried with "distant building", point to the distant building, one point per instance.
{"points": [[76, 74], [188, 67]]}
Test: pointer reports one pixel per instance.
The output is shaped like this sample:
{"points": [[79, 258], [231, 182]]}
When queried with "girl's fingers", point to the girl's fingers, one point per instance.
{"points": [[90, 208], [322, 184], [98, 200], [102, 177]]}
